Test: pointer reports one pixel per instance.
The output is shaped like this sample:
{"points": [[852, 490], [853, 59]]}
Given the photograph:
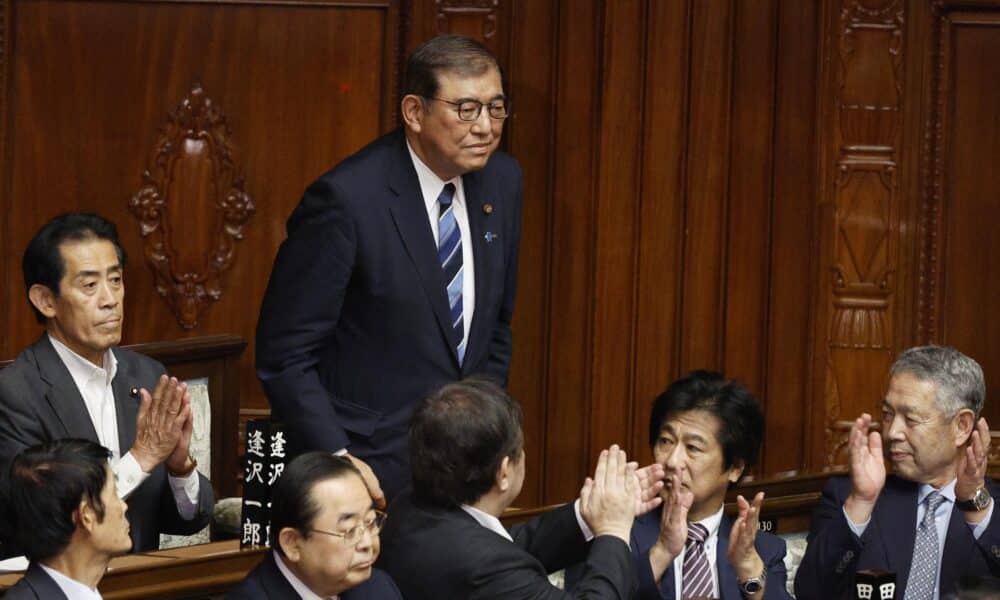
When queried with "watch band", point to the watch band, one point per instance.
{"points": [[979, 501], [754, 584]]}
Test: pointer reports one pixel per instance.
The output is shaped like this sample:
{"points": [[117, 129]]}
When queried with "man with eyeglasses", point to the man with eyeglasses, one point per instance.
{"points": [[324, 537], [399, 270]]}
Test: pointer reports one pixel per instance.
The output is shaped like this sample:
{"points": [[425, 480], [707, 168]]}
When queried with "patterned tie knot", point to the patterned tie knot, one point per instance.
{"points": [[934, 500], [697, 533], [447, 195]]}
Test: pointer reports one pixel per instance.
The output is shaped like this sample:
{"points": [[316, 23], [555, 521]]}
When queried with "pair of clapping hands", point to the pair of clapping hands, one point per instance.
{"points": [[163, 427]]}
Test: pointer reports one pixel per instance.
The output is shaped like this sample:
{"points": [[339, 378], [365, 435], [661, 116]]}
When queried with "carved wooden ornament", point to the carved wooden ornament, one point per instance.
{"points": [[192, 207]]}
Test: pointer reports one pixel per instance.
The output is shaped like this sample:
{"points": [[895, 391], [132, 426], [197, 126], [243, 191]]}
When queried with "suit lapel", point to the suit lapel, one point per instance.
{"points": [[43, 585], [727, 576], [476, 196], [126, 407], [410, 216], [896, 515], [273, 582], [62, 394]]}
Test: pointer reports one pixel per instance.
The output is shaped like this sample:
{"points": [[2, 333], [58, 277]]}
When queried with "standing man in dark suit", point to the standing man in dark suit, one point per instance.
{"points": [[75, 382], [63, 509], [445, 540], [706, 432], [324, 537], [399, 270], [931, 521]]}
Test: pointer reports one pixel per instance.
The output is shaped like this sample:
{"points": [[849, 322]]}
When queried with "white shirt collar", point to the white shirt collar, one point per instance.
{"points": [[712, 522], [488, 521], [300, 588], [431, 185], [81, 369], [948, 491], [73, 589]]}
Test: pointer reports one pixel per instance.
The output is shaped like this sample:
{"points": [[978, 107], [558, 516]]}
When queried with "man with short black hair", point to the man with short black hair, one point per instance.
{"points": [[706, 431], [64, 512], [445, 540], [324, 537], [75, 382], [931, 520], [399, 270]]}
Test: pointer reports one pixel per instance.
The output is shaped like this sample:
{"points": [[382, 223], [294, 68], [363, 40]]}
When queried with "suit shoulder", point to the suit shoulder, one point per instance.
{"points": [[769, 544], [380, 585], [140, 364]]}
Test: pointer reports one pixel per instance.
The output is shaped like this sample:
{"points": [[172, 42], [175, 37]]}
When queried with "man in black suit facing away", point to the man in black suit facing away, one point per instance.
{"points": [[399, 270], [324, 537], [63, 510], [445, 539], [75, 382]]}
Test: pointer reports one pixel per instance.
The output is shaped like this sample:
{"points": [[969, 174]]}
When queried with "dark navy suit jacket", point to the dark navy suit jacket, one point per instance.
{"points": [[355, 328], [39, 402], [35, 585], [434, 553], [266, 582], [770, 548], [835, 554]]}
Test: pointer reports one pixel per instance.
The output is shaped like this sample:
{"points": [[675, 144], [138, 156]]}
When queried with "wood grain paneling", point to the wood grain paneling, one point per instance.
{"points": [[789, 191], [302, 86]]}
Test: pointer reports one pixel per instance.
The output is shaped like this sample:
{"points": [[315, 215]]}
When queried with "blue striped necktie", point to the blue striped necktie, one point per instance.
{"points": [[450, 255]]}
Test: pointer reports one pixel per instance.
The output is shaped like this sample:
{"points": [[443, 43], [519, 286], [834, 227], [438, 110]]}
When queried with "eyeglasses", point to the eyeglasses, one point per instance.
{"points": [[352, 536], [469, 110]]}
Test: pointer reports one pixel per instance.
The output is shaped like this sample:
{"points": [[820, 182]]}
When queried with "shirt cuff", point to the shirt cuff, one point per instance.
{"points": [[857, 529], [980, 527], [185, 490], [128, 475], [584, 528]]}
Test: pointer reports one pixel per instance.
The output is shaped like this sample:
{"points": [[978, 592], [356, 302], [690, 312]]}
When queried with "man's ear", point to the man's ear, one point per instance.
{"points": [[412, 109], [736, 471], [291, 543], [43, 299], [503, 474], [964, 424], [85, 517]]}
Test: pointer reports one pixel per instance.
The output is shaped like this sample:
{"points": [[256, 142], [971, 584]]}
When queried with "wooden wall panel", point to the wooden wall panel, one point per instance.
{"points": [[969, 180], [789, 191], [300, 86]]}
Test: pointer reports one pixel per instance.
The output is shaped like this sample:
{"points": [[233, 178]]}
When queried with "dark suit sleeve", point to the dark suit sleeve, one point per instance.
{"points": [[300, 311], [20, 425], [171, 521], [829, 562], [989, 541], [776, 586], [501, 340]]}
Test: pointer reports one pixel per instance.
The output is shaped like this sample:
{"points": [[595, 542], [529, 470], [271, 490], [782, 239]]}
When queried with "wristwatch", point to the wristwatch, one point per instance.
{"points": [[979, 501], [754, 584]]}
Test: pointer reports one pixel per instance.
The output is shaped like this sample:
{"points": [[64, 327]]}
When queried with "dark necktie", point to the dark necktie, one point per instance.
{"points": [[450, 255], [697, 575]]}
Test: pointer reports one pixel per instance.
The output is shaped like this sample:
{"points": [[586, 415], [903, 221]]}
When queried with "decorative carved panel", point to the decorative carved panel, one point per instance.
{"points": [[484, 11], [192, 207], [867, 130]]}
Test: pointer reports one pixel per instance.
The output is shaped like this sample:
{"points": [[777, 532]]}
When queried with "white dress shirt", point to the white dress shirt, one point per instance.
{"points": [[94, 384], [493, 524], [300, 588], [73, 589], [430, 187], [711, 523], [941, 519]]}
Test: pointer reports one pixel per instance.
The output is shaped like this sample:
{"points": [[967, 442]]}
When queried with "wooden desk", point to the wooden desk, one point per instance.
{"points": [[174, 573]]}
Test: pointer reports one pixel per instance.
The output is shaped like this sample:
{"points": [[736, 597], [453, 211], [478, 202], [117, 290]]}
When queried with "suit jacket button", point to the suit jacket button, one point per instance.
{"points": [[488, 209], [995, 550]]}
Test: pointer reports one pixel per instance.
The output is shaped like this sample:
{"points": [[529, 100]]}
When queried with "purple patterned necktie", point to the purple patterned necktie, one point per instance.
{"points": [[697, 575]]}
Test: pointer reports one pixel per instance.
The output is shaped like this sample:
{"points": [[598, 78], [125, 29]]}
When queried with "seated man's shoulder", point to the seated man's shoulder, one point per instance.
{"points": [[140, 365], [769, 544], [379, 583]]}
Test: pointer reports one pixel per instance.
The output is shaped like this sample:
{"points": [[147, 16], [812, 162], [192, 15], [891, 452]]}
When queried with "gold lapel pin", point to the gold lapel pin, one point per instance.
{"points": [[488, 209]]}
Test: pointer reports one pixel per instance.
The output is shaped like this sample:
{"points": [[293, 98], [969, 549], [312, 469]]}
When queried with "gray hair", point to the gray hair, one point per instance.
{"points": [[959, 379]]}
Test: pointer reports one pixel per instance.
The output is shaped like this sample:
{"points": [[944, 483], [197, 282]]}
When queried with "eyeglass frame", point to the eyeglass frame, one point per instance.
{"points": [[479, 110], [359, 530]]}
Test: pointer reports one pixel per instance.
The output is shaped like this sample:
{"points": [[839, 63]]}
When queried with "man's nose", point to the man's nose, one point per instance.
{"points": [[107, 296], [483, 123], [676, 458]]}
